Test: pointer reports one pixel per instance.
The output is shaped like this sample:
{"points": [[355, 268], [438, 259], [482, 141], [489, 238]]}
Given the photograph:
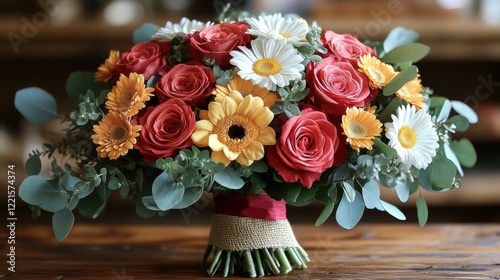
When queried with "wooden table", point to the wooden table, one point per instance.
{"points": [[369, 251]]}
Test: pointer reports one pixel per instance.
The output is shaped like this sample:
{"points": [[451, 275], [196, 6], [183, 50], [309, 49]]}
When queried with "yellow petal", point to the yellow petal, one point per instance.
{"points": [[243, 160], [214, 143], [215, 112], [229, 106], [236, 96], [247, 106], [267, 136], [255, 151], [204, 125], [262, 117], [200, 138], [230, 154], [220, 157]]}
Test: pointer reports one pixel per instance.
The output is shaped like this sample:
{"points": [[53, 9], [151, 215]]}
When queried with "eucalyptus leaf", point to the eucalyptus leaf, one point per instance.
{"points": [[80, 82], [422, 211], [90, 205], [166, 192], [349, 213], [56, 202], [325, 214], [393, 210], [403, 190], [73, 202], [35, 190], [191, 195], [460, 122], [349, 190], [35, 104], [464, 110], [229, 178], [442, 171], [413, 52], [386, 149], [406, 75], [62, 222], [140, 209], [68, 182], [371, 195], [465, 152], [399, 36], [149, 202], [33, 165], [451, 156], [444, 111]]}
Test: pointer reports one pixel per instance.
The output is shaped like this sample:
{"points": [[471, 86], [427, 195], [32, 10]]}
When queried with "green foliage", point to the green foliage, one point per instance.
{"points": [[223, 76], [422, 211], [408, 74], [290, 96], [88, 109], [62, 222], [35, 104], [412, 52], [399, 36], [80, 82], [144, 33]]}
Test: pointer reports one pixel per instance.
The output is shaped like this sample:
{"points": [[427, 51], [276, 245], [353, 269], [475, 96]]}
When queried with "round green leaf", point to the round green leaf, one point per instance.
{"points": [[399, 36], [69, 182], [464, 110], [349, 213], [393, 210], [409, 52], [191, 195], [35, 104], [62, 222], [442, 171], [229, 178], [465, 152], [33, 165], [55, 203], [80, 82], [140, 209], [461, 123], [371, 195], [166, 192], [35, 190]]}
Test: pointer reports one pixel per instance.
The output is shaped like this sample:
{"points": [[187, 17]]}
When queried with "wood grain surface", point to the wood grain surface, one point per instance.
{"points": [[369, 251]]}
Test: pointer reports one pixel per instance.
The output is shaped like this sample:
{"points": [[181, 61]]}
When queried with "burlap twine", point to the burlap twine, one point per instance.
{"points": [[236, 233]]}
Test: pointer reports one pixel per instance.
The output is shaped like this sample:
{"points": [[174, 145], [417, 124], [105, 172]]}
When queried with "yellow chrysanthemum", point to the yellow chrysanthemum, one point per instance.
{"points": [[412, 93], [245, 87], [237, 128], [115, 135], [379, 73], [129, 95], [360, 127], [105, 71]]}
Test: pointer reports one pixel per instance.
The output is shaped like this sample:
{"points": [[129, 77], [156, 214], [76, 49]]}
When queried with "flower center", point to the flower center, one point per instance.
{"points": [[357, 130], [118, 133], [236, 132], [407, 137], [286, 35], [376, 74], [266, 67]]}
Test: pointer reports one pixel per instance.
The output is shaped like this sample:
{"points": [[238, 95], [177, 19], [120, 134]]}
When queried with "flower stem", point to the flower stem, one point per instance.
{"points": [[216, 262], [208, 250], [270, 262], [303, 254], [258, 262], [294, 259], [249, 264], [285, 266], [227, 263]]}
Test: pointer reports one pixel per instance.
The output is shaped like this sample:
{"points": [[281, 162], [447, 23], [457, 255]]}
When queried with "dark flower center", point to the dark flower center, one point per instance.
{"points": [[236, 132]]}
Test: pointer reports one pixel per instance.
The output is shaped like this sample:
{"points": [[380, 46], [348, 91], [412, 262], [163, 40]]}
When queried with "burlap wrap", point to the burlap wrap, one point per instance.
{"points": [[235, 233]]}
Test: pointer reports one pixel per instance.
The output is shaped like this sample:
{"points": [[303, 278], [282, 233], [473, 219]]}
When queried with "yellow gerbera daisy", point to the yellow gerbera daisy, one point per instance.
{"points": [[237, 128], [412, 92], [129, 95], [379, 73], [115, 135], [245, 87], [105, 71], [360, 127]]}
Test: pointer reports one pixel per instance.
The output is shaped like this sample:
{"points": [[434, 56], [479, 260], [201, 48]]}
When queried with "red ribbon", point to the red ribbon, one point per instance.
{"points": [[251, 206]]}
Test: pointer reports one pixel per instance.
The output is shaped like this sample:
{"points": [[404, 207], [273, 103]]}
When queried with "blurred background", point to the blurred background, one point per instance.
{"points": [[45, 40]]}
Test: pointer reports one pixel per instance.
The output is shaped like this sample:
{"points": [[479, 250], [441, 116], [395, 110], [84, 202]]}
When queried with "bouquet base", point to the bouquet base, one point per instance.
{"points": [[256, 247]]}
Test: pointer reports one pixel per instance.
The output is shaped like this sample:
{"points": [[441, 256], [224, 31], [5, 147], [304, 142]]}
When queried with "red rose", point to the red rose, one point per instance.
{"points": [[166, 129], [148, 58], [190, 82], [336, 85], [216, 41], [345, 46], [306, 147]]}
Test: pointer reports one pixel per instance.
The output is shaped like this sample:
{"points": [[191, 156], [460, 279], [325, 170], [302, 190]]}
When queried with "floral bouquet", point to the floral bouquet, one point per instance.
{"points": [[262, 111]]}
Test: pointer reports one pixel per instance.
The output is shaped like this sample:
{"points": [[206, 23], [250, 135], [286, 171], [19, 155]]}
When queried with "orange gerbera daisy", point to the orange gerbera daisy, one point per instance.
{"points": [[245, 87], [379, 73], [115, 135], [129, 95], [412, 92], [106, 70], [360, 127]]}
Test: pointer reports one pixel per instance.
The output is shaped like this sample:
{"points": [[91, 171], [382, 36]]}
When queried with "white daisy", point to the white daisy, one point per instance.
{"points": [[184, 27], [277, 26], [413, 136], [268, 63]]}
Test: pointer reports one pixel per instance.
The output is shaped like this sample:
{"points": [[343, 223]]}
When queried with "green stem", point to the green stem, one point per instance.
{"points": [[227, 263], [270, 262], [294, 259], [302, 261], [250, 265], [285, 266], [258, 262], [216, 262], [303, 253]]}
